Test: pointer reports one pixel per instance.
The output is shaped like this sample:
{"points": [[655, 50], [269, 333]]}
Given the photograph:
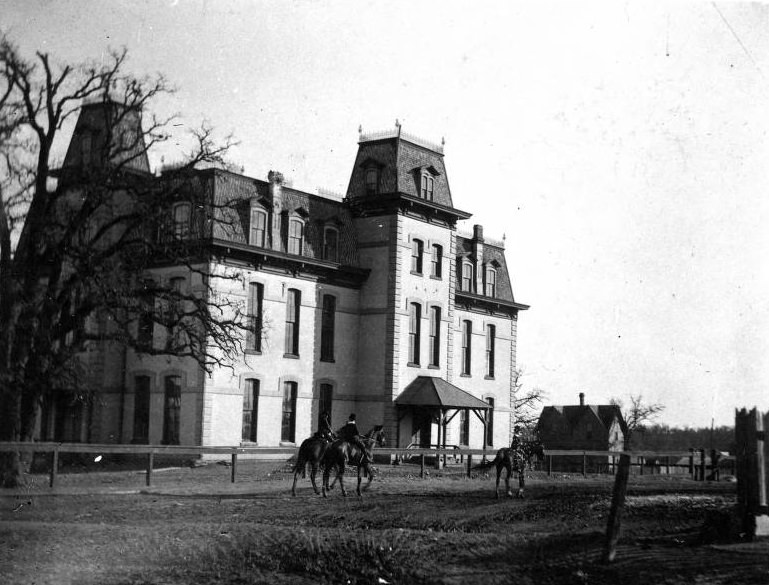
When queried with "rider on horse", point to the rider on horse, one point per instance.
{"points": [[324, 428], [349, 432]]}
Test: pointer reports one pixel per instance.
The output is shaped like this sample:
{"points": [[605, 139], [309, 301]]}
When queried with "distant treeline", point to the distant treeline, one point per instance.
{"points": [[665, 438]]}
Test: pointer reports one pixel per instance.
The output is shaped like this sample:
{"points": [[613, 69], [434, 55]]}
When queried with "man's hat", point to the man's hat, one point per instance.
{"points": [[352, 416]]}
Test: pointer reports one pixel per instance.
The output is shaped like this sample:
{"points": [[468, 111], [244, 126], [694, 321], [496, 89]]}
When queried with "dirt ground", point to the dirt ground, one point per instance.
{"points": [[194, 526]]}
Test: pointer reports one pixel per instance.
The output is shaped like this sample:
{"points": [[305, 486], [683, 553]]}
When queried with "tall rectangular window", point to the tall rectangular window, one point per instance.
{"points": [[250, 410], [288, 423], [331, 244], [325, 401], [435, 336], [172, 406], [295, 236], [467, 277], [146, 325], [490, 423], [491, 282], [467, 346], [141, 410], [417, 250], [255, 308], [415, 332], [437, 261], [181, 220], [464, 427], [491, 333], [293, 304], [175, 310], [258, 235], [328, 316], [428, 184]]}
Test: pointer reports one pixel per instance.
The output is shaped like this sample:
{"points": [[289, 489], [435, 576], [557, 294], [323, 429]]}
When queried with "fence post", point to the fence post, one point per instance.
{"points": [[702, 464], [584, 464], [234, 463], [667, 465], [54, 466], [691, 463], [640, 464], [469, 464], [549, 465], [150, 464], [422, 465]]}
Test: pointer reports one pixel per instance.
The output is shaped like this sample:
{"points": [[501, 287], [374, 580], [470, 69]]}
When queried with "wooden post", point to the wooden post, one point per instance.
{"points": [[549, 465], [422, 465], [234, 464], [617, 506], [667, 465], [702, 464], [691, 463], [640, 465], [150, 464], [584, 464], [54, 465], [469, 465]]}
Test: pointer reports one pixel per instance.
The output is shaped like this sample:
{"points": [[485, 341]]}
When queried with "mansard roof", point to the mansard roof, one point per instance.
{"points": [[492, 255]]}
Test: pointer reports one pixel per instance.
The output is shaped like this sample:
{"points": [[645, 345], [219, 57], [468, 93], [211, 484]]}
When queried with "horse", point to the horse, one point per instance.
{"points": [[516, 457], [311, 452], [341, 453]]}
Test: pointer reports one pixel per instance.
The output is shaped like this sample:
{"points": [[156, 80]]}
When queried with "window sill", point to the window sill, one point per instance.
{"points": [[413, 365], [415, 273], [328, 360], [436, 277], [288, 443], [291, 356], [489, 378], [253, 352], [433, 367], [465, 376]]}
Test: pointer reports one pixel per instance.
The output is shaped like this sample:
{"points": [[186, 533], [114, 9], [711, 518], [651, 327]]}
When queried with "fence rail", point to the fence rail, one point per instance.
{"points": [[695, 464]]}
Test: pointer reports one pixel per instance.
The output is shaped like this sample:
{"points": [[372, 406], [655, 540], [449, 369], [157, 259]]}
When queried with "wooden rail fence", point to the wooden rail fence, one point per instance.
{"points": [[694, 466]]}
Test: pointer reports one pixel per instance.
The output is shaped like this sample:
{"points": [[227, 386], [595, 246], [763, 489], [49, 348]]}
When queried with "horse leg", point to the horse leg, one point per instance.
{"points": [[507, 482], [324, 483], [496, 487], [370, 473], [359, 480], [521, 483], [340, 477], [293, 487], [313, 473]]}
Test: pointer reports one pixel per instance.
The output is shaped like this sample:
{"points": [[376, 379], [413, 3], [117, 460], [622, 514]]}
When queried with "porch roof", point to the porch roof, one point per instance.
{"points": [[437, 392]]}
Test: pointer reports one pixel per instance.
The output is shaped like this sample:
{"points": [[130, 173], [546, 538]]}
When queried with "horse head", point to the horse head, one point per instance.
{"points": [[377, 436]]}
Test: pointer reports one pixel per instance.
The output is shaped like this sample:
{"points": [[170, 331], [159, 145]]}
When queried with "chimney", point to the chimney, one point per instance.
{"points": [[478, 252], [276, 180], [582, 399]]}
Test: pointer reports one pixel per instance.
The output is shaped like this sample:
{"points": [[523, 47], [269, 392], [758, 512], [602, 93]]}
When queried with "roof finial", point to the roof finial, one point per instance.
{"points": [[443, 141], [360, 128], [397, 123]]}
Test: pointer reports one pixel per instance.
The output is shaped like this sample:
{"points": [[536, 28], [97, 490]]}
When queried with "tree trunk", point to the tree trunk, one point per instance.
{"points": [[617, 506], [11, 468]]}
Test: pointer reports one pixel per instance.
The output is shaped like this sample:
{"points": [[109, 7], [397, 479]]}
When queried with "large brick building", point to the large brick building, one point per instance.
{"points": [[375, 304]]}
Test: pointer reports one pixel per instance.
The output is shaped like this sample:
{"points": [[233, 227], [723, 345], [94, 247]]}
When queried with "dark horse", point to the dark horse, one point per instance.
{"points": [[311, 453], [341, 453], [515, 458]]}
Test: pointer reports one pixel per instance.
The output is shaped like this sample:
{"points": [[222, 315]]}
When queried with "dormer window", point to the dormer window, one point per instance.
{"points": [[331, 244], [372, 180], [181, 221], [467, 277], [490, 282], [428, 185], [295, 236], [258, 233]]}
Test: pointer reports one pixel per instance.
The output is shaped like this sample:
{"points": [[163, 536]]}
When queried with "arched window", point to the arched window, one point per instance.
{"points": [[295, 236], [415, 332], [325, 401], [258, 236], [417, 251], [372, 180], [293, 305], [331, 244], [491, 282], [327, 319], [250, 410], [435, 336], [288, 422], [181, 225], [467, 277], [467, 347], [491, 334], [255, 317], [490, 423], [428, 184], [437, 261], [172, 406]]}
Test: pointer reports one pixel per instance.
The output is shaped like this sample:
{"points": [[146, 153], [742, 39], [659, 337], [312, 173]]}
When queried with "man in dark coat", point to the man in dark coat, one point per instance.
{"points": [[349, 432], [324, 428]]}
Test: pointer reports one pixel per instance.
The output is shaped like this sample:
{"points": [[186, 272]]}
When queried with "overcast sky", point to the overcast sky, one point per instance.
{"points": [[620, 148]]}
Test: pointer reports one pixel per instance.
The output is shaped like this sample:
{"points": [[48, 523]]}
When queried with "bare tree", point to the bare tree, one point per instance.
{"points": [[526, 403], [636, 416], [77, 259]]}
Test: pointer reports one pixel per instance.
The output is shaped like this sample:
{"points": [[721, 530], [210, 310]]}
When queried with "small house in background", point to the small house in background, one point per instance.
{"points": [[583, 427]]}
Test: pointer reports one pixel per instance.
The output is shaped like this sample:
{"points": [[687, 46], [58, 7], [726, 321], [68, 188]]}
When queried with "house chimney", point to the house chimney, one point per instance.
{"points": [[582, 399], [276, 181], [478, 253]]}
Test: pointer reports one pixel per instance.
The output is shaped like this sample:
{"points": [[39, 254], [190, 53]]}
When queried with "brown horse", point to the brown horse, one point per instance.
{"points": [[515, 458], [341, 453], [310, 453]]}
